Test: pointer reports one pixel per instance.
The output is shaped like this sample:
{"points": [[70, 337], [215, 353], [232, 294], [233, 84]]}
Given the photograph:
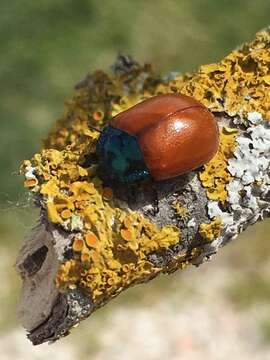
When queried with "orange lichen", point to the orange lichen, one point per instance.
{"points": [[30, 182], [94, 256], [107, 193], [66, 214], [85, 256], [91, 240], [78, 244], [98, 115], [126, 234]]}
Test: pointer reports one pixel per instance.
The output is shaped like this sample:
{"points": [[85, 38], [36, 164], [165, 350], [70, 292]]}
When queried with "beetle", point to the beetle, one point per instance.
{"points": [[160, 138]]}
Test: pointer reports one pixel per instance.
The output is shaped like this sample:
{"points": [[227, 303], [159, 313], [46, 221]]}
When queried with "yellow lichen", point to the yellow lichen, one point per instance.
{"points": [[238, 84], [116, 251], [215, 175], [212, 230], [180, 210], [53, 215], [102, 249]]}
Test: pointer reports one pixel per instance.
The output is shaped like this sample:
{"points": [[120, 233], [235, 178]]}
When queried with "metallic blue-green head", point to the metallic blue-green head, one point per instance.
{"points": [[120, 156]]}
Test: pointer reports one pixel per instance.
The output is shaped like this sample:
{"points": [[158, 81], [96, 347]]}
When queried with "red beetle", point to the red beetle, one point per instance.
{"points": [[162, 137]]}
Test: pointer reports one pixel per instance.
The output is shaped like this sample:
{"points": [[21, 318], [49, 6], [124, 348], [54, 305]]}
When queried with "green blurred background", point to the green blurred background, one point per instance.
{"points": [[46, 48]]}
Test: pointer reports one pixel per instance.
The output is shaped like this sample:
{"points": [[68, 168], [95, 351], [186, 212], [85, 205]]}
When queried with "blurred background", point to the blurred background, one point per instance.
{"points": [[218, 311]]}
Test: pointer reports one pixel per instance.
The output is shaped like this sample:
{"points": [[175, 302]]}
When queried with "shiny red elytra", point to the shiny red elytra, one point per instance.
{"points": [[162, 137]]}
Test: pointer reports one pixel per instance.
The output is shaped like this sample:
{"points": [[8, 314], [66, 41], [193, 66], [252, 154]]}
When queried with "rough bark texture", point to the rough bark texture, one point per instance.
{"points": [[94, 241]]}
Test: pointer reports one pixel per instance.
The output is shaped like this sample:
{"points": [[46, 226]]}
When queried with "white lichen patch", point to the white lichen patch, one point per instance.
{"points": [[254, 117], [30, 172], [76, 223], [249, 191], [192, 223]]}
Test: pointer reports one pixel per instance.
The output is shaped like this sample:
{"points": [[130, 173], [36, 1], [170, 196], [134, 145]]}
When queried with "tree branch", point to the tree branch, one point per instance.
{"points": [[94, 239]]}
